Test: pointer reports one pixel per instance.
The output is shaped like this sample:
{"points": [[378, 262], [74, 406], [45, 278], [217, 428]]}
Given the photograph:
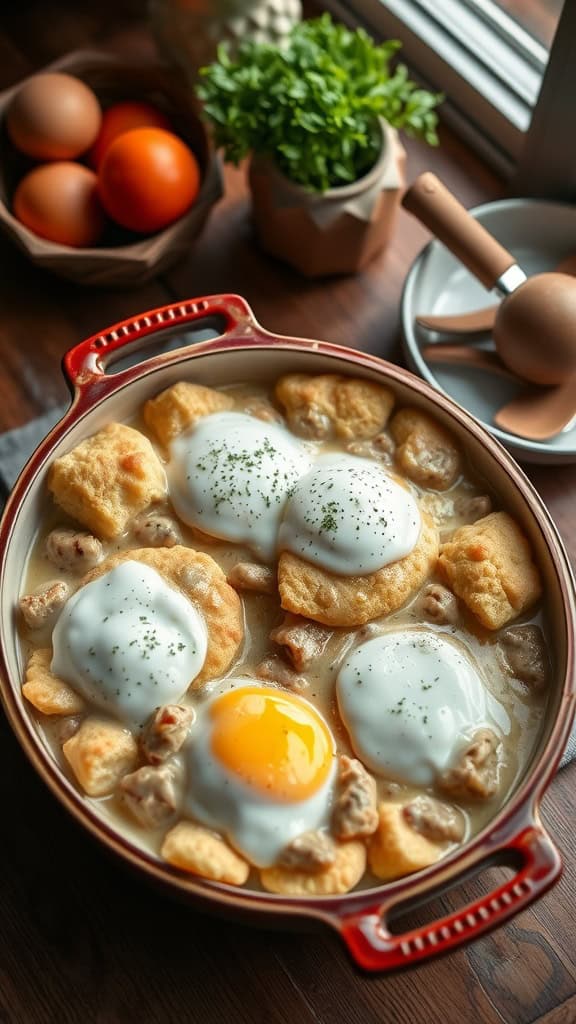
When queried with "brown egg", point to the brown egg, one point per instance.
{"points": [[59, 201], [54, 117]]}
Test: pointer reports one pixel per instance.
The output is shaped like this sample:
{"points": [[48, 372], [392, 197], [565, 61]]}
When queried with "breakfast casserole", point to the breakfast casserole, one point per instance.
{"points": [[284, 638]]}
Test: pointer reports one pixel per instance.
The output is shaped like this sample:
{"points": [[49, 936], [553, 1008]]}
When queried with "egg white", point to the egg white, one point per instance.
{"points": [[409, 699], [230, 476], [350, 517], [128, 642]]}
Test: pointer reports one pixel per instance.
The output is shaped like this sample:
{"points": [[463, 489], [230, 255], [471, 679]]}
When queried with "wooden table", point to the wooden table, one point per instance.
{"points": [[80, 939]]}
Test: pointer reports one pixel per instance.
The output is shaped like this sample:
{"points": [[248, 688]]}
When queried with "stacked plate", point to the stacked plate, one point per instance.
{"points": [[540, 235]]}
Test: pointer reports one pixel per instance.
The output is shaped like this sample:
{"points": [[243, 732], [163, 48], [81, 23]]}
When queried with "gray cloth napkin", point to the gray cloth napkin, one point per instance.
{"points": [[17, 445]]}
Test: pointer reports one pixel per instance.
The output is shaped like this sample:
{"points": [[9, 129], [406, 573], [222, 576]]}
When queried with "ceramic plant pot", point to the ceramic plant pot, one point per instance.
{"points": [[334, 232]]}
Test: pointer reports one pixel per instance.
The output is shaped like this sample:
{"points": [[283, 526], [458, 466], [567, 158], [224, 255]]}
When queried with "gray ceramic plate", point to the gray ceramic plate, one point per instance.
{"points": [[539, 234]]}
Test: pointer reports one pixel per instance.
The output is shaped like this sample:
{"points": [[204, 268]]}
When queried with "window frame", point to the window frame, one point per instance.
{"points": [[494, 112]]}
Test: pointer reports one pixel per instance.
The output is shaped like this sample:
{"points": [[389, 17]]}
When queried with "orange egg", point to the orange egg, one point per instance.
{"points": [[53, 116], [147, 179], [59, 201], [123, 117]]}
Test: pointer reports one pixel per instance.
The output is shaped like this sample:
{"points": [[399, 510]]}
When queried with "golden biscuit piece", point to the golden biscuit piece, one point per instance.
{"points": [[178, 407], [203, 582], [333, 406], [100, 754], [341, 876], [308, 590], [47, 693], [426, 453], [396, 849], [489, 566], [107, 479], [204, 853]]}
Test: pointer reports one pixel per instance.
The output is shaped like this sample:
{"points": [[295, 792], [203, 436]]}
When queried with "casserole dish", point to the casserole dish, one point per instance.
{"points": [[241, 350]]}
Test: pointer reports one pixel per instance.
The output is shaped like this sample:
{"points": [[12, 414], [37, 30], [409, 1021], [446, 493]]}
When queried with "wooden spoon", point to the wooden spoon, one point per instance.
{"points": [[537, 414], [478, 359], [535, 325], [478, 321]]}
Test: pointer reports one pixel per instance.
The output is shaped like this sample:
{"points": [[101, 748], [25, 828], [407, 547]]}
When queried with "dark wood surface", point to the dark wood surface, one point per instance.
{"points": [[80, 939]]}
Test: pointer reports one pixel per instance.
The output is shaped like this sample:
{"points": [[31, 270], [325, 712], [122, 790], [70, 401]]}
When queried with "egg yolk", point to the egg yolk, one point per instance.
{"points": [[273, 741]]}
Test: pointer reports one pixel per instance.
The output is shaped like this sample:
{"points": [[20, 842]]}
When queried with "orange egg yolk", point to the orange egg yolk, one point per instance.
{"points": [[272, 741]]}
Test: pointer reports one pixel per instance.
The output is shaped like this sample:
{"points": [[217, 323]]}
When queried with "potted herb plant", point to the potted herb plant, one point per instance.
{"points": [[319, 116]]}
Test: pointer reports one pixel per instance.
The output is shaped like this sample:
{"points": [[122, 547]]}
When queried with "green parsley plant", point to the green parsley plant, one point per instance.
{"points": [[313, 104]]}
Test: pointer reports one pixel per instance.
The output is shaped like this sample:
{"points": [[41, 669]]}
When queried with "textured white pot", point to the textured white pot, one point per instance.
{"points": [[188, 32]]}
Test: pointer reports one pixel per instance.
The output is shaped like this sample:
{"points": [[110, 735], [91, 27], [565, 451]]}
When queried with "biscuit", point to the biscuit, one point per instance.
{"points": [[107, 479], [341, 876], [203, 582], [47, 693], [329, 405], [201, 852], [178, 407], [308, 590], [396, 849], [100, 754], [489, 566], [426, 453]]}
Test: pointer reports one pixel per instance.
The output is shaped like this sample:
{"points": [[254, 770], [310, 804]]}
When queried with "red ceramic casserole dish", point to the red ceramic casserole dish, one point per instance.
{"points": [[245, 351]]}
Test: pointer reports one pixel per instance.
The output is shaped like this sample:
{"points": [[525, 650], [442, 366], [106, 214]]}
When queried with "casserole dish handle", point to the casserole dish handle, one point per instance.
{"points": [[87, 360], [375, 948]]}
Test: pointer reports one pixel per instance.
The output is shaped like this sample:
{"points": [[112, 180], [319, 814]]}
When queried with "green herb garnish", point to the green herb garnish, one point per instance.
{"points": [[313, 104]]}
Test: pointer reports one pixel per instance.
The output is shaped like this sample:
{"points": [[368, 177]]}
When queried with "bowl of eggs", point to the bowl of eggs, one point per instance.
{"points": [[106, 172], [293, 636]]}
